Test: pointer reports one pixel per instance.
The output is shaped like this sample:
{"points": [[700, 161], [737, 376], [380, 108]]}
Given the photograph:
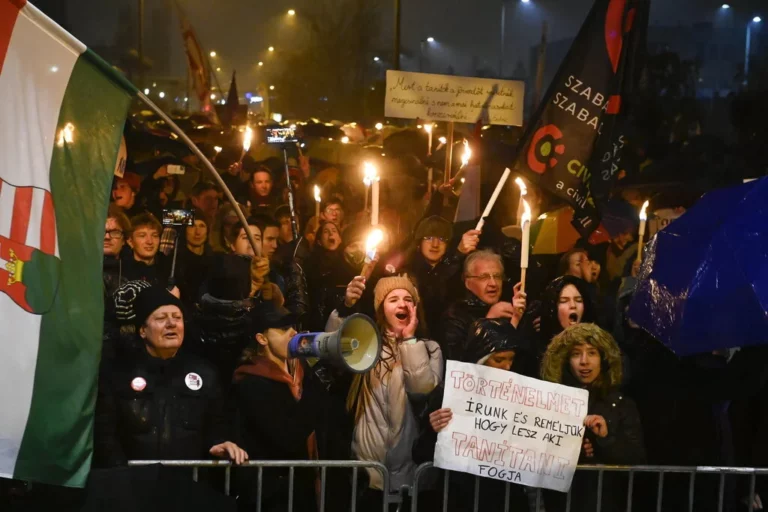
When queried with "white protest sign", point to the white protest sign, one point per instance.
{"points": [[454, 98], [510, 427]]}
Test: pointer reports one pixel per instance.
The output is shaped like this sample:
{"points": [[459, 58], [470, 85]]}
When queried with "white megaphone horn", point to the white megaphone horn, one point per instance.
{"points": [[355, 346]]}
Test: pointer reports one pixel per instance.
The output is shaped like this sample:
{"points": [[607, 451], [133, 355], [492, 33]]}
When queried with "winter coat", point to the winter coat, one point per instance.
{"points": [[191, 272], [327, 278], [455, 325], [436, 284], [624, 443], [295, 289], [156, 274], [278, 416], [386, 427], [158, 409], [222, 332]]}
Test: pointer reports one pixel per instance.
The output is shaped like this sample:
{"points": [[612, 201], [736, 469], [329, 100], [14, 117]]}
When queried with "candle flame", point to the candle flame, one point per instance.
{"points": [[373, 241], [442, 140], [317, 194], [526, 217], [643, 214], [247, 138], [217, 149], [521, 184], [467, 154], [66, 135], [369, 173], [428, 128]]}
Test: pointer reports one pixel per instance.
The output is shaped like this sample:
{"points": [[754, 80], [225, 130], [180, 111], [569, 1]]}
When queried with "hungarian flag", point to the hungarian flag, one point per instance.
{"points": [[199, 67], [573, 144], [63, 111]]}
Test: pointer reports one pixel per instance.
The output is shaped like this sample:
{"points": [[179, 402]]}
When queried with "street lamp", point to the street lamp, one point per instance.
{"points": [[271, 48], [271, 87], [261, 63], [376, 59], [430, 39], [218, 69], [162, 94], [525, 1], [755, 21], [291, 12], [725, 6], [213, 54]]}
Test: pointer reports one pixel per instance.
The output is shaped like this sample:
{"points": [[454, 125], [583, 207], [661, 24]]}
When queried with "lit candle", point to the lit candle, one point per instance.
{"points": [[317, 203], [374, 194], [428, 129], [523, 192], [526, 242], [371, 244], [247, 138], [493, 199], [643, 219], [368, 174], [458, 180]]}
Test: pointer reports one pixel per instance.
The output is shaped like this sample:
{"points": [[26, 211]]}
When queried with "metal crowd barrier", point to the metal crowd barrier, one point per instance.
{"points": [[535, 495], [322, 465]]}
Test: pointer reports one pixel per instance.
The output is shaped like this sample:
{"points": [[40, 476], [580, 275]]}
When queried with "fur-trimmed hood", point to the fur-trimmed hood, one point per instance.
{"points": [[555, 366]]}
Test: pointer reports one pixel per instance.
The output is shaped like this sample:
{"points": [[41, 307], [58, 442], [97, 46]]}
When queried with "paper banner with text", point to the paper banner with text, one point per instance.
{"points": [[512, 428], [454, 98]]}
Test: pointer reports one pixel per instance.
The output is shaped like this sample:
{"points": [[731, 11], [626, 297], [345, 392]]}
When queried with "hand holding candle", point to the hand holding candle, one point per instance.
{"points": [[493, 199], [643, 219], [317, 202], [525, 243], [371, 244]]}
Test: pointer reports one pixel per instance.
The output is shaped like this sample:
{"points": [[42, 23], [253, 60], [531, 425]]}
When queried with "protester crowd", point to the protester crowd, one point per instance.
{"points": [[197, 324]]}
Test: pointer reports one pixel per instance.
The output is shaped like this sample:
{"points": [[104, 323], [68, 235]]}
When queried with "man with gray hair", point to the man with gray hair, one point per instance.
{"points": [[483, 279]]}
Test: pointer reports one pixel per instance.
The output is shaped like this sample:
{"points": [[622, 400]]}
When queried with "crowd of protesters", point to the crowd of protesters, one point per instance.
{"points": [[196, 365]]}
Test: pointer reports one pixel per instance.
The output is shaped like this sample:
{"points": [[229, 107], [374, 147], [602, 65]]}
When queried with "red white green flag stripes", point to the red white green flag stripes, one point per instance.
{"points": [[62, 112]]}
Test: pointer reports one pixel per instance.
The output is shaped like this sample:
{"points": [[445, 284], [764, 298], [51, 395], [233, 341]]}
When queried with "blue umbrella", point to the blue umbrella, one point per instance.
{"points": [[704, 283]]}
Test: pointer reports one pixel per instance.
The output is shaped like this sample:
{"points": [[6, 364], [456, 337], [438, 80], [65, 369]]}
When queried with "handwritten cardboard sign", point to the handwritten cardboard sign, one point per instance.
{"points": [[510, 427], [454, 98]]}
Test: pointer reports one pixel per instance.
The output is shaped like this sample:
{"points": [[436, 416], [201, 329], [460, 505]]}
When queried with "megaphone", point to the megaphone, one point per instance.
{"points": [[355, 346]]}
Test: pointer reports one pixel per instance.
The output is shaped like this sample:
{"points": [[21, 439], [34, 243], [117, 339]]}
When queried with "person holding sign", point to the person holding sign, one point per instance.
{"points": [[410, 367], [494, 343], [585, 356]]}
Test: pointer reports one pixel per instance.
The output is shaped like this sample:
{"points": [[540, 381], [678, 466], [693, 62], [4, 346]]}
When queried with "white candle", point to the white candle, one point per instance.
{"points": [[643, 219], [526, 242], [523, 192], [317, 203], [375, 201], [493, 199], [428, 129]]}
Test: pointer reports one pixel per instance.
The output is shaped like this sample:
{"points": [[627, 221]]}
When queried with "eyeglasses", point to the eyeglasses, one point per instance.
{"points": [[333, 210], [487, 277], [438, 238], [114, 233]]}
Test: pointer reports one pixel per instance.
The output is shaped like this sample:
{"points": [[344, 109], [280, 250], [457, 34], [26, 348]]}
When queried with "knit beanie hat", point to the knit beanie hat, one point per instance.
{"points": [[125, 300], [434, 226], [151, 299], [387, 285]]}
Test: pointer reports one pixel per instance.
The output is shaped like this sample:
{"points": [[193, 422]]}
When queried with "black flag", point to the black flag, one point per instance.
{"points": [[577, 132]]}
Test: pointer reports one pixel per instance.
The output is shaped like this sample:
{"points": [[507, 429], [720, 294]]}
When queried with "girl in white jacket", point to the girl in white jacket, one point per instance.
{"points": [[409, 368]]}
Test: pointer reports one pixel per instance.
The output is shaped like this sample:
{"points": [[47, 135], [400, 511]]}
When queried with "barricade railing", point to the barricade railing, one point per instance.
{"points": [[536, 495], [291, 465]]}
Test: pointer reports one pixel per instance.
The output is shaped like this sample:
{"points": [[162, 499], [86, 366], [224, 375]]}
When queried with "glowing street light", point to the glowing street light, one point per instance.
{"points": [[261, 63], [271, 87], [430, 39], [379, 126], [162, 94], [213, 54], [218, 69], [725, 6], [526, 1], [213, 96], [271, 48], [146, 91], [291, 12], [757, 19], [376, 59]]}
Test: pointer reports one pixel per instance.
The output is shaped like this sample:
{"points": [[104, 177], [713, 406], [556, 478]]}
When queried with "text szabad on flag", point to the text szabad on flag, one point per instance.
{"points": [[572, 147]]}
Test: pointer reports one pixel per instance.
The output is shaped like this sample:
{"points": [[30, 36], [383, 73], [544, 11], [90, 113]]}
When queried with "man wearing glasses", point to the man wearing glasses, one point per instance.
{"points": [[116, 227], [483, 280]]}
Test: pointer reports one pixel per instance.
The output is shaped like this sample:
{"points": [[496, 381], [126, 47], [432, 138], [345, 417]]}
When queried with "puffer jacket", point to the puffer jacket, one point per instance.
{"points": [[624, 443], [455, 325], [386, 427], [222, 333]]}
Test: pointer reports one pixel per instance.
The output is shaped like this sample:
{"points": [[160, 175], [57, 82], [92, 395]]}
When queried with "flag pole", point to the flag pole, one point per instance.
{"points": [[208, 165]]}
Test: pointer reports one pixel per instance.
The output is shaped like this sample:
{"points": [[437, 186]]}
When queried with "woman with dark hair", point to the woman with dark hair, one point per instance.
{"points": [[565, 302], [583, 355], [381, 400], [327, 275]]}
